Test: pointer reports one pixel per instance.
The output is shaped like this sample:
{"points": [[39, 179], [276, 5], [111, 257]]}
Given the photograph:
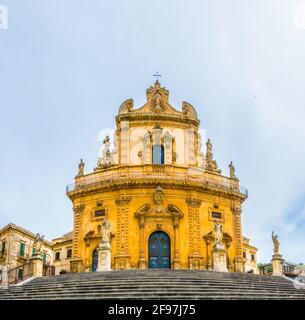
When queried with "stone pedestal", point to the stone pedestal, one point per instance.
{"points": [[4, 277], [142, 264], [37, 262], [104, 257], [76, 265], [277, 265], [239, 264], [219, 258]]}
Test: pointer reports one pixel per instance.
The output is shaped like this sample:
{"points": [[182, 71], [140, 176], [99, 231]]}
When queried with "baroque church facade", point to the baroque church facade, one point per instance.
{"points": [[161, 195]]}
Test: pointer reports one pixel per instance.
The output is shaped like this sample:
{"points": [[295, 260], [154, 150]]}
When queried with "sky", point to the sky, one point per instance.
{"points": [[66, 66]]}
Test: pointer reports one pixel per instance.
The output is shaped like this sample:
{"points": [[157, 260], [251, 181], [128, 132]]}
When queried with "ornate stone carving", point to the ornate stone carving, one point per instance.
{"points": [[236, 209], [122, 201], [158, 199], [194, 202], [79, 208]]}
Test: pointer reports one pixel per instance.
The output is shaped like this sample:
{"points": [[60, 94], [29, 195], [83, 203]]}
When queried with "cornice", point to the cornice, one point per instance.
{"points": [[151, 182]]}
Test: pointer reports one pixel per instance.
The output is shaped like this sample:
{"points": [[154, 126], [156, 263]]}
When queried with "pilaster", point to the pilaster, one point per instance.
{"points": [[122, 258], [195, 257]]}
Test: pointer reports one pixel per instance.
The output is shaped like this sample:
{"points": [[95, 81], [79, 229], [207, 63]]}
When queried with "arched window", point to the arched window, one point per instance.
{"points": [[94, 260], [158, 154]]}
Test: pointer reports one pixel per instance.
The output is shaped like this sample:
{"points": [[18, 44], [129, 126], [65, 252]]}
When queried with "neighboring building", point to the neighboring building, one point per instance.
{"points": [[249, 254], [300, 269], [161, 194], [62, 253], [289, 268], [16, 249]]}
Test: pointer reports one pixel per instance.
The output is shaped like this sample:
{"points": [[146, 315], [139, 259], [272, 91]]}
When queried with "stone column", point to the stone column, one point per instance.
{"points": [[104, 250], [78, 209], [277, 265], [190, 146], [124, 143], [176, 244], [236, 210], [142, 262], [37, 262], [209, 254], [87, 264]]}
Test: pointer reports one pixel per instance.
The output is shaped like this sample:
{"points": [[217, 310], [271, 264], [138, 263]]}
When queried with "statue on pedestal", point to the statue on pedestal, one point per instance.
{"points": [[219, 251], [38, 242], [276, 243], [277, 260], [104, 249]]}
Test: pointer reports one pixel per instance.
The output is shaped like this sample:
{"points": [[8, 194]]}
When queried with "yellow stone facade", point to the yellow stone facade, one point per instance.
{"points": [[157, 178]]}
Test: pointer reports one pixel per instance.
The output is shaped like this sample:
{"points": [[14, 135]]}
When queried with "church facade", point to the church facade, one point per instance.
{"points": [[160, 193]]}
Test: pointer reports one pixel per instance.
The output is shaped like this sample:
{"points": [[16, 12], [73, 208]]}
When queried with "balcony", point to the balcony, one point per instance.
{"points": [[22, 258], [150, 175]]}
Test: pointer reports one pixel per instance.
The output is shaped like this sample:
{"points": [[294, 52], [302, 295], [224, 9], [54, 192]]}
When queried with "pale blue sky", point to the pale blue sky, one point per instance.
{"points": [[67, 65]]}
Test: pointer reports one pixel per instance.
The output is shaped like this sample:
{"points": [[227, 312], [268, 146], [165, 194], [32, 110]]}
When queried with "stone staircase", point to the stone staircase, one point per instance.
{"points": [[155, 284]]}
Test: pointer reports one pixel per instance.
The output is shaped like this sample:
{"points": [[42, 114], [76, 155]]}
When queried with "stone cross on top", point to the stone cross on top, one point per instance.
{"points": [[156, 75]]}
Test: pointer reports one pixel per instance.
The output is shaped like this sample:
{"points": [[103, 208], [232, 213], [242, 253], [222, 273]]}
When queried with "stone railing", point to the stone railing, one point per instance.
{"points": [[156, 174]]}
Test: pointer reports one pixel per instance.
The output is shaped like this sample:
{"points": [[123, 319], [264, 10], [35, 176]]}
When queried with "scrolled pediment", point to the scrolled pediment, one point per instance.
{"points": [[156, 211], [126, 106]]}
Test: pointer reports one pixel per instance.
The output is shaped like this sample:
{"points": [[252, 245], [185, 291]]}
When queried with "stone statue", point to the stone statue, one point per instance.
{"points": [[107, 159], [104, 249], [232, 170], [106, 231], [218, 233], [38, 242], [209, 153], [81, 167], [107, 146], [275, 243], [210, 164]]}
